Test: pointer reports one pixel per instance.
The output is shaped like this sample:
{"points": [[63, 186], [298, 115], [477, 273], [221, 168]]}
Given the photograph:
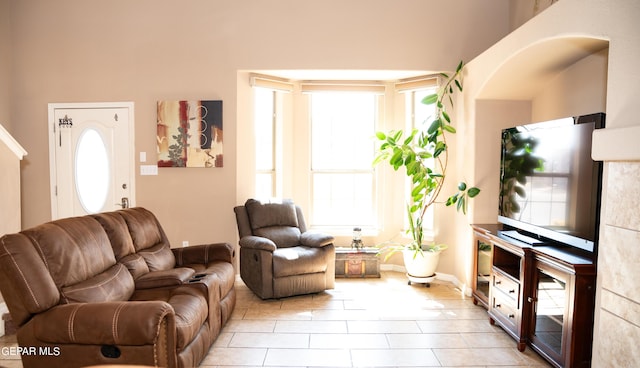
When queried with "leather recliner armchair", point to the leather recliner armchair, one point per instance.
{"points": [[278, 256]]}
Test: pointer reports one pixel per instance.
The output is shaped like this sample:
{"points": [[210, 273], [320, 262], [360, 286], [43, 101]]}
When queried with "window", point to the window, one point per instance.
{"points": [[342, 150], [265, 127]]}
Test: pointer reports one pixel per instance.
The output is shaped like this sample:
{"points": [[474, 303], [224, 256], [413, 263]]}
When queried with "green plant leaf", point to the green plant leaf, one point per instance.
{"points": [[430, 99], [451, 200], [440, 147], [462, 186], [396, 159], [381, 136], [409, 138], [434, 126], [418, 188], [412, 167], [449, 128], [472, 192], [461, 205], [459, 85], [446, 116]]}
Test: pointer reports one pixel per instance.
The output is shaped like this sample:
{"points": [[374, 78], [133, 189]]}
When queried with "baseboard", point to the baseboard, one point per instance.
{"points": [[3, 310], [439, 276], [392, 267]]}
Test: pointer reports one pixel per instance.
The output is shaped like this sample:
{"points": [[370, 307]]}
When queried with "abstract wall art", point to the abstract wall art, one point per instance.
{"points": [[189, 134]]}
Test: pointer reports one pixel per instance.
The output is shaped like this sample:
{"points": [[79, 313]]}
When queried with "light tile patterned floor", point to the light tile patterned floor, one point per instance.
{"points": [[366, 323], [361, 323]]}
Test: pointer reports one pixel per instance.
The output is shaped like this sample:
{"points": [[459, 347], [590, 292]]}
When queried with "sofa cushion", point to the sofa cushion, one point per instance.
{"points": [[263, 215], [157, 279], [190, 307], [118, 232], [115, 284], [25, 280], [136, 265], [283, 236], [144, 228], [191, 313], [298, 260], [224, 272], [149, 239], [159, 257], [74, 249]]}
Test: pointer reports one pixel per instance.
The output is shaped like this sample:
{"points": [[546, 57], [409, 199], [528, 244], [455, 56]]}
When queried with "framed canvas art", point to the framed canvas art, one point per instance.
{"points": [[189, 133]]}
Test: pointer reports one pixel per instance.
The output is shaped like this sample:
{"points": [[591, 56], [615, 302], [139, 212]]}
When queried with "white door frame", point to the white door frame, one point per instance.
{"points": [[52, 142]]}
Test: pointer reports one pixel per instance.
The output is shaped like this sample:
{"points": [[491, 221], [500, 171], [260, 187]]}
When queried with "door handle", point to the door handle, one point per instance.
{"points": [[124, 203]]}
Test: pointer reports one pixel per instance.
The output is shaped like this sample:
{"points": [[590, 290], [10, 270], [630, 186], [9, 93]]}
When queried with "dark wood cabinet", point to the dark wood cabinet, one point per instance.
{"points": [[562, 302], [542, 296]]}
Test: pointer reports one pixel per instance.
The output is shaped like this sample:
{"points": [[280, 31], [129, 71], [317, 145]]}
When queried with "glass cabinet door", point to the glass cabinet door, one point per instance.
{"points": [[483, 270], [550, 297]]}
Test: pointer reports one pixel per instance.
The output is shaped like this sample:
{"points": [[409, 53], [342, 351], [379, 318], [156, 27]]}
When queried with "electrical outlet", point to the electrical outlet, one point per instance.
{"points": [[185, 243]]}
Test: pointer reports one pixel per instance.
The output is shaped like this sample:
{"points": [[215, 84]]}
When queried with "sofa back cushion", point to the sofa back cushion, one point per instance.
{"points": [[74, 249], [275, 221], [114, 284], [118, 233], [78, 254], [25, 282], [149, 239]]}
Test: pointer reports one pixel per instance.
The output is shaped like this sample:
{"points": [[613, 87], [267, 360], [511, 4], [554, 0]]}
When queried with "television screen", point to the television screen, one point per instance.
{"points": [[549, 185]]}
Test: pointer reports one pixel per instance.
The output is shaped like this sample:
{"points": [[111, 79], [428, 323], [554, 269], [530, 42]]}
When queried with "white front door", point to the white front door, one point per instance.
{"points": [[91, 158]]}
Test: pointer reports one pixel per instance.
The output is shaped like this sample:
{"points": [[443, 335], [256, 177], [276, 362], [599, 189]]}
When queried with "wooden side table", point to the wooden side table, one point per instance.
{"points": [[363, 262]]}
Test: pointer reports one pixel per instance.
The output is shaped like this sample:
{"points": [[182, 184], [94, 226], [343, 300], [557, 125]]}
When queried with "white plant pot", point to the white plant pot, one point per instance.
{"points": [[423, 265]]}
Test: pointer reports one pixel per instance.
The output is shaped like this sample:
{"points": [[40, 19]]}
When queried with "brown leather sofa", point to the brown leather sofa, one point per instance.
{"points": [[278, 256], [108, 289]]}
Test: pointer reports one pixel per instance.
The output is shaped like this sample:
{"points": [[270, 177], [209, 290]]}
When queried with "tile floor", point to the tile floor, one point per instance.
{"points": [[361, 323]]}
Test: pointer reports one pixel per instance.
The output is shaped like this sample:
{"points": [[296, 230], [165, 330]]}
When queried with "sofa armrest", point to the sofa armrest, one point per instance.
{"points": [[203, 254], [257, 242], [317, 240], [107, 323]]}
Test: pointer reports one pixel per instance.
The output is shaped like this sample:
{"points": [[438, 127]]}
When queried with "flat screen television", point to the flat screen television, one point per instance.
{"points": [[550, 186]]}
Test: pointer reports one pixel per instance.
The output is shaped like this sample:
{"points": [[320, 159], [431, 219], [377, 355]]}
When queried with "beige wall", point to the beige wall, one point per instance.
{"points": [[7, 218], [149, 50], [9, 190], [5, 63], [578, 89]]}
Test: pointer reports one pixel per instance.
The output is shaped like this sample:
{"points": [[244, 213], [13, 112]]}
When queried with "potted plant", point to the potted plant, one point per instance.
{"points": [[423, 153]]}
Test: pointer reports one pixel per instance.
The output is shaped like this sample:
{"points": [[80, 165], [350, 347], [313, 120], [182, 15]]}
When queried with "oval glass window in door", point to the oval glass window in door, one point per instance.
{"points": [[92, 171]]}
